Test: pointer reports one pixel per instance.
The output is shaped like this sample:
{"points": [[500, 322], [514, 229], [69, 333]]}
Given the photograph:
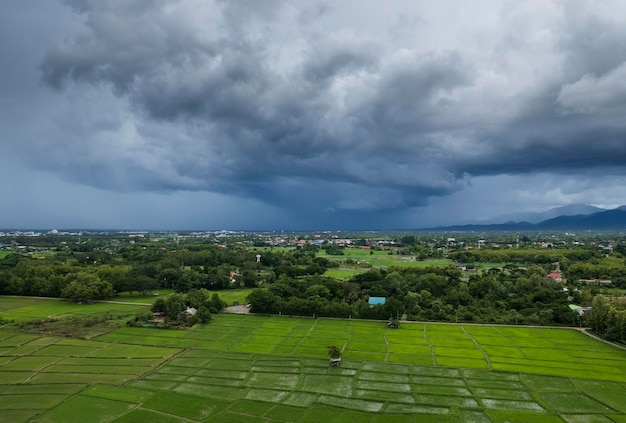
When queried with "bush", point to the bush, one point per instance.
{"points": [[203, 315]]}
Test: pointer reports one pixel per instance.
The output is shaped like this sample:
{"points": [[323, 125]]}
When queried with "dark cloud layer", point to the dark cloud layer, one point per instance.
{"points": [[306, 107]]}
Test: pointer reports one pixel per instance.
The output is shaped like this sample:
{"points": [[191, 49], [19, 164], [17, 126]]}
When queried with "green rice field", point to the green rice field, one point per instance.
{"points": [[242, 368]]}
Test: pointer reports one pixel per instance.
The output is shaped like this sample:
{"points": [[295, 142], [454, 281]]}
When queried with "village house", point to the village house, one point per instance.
{"points": [[555, 276], [188, 314]]}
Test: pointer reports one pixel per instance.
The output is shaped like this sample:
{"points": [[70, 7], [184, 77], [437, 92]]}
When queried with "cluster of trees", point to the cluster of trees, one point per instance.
{"points": [[173, 307], [612, 267], [608, 319], [95, 270], [575, 263], [21, 275], [523, 296]]}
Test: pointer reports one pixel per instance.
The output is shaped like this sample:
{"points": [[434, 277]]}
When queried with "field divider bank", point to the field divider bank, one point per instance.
{"points": [[478, 346], [388, 346], [432, 347]]}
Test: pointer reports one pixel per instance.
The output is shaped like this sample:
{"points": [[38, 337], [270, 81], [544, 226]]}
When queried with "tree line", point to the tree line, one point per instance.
{"points": [[608, 319], [96, 270], [522, 296]]}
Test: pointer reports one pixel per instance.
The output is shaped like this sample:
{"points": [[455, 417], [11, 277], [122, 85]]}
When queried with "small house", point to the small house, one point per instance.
{"points": [[189, 313], [555, 276]]}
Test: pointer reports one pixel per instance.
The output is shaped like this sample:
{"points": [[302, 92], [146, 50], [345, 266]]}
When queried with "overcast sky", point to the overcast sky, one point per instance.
{"points": [[246, 114]]}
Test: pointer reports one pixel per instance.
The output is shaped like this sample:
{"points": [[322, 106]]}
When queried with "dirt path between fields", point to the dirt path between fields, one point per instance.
{"points": [[587, 332]]}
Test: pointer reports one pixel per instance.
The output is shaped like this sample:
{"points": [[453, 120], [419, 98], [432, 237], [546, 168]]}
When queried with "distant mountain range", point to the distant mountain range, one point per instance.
{"points": [[570, 210], [560, 218]]}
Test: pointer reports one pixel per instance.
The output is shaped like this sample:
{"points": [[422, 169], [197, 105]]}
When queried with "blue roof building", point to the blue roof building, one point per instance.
{"points": [[377, 301]]}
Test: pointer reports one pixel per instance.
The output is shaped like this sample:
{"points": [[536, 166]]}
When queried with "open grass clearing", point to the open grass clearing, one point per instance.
{"points": [[23, 309], [380, 258], [345, 273]]}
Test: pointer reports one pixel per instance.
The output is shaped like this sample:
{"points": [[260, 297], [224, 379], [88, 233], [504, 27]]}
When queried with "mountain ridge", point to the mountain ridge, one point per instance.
{"points": [[612, 219], [537, 217]]}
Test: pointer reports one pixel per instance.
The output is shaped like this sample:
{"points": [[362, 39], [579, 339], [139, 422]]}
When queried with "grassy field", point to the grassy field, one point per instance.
{"points": [[274, 369], [343, 273], [231, 296], [378, 258], [235, 296], [24, 309]]}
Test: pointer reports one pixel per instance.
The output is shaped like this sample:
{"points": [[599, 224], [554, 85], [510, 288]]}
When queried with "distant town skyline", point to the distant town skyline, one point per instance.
{"points": [[205, 115]]}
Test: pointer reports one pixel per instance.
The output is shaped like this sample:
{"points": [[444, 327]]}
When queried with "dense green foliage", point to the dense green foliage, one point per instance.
{"points": [[85, 271], [504, 279], [523, 296], [173, 307], [608, 319]]}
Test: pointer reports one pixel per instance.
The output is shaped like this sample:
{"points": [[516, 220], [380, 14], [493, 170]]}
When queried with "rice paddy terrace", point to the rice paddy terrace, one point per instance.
{"points": [[275, 369]]}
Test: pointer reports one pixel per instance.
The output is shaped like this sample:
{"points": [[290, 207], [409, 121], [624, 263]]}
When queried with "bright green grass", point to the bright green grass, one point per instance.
{"points": [[230, 296], [85, 409], [343, 273], [282, 389], [147, 416], [117, 393], [234, 296], [28, 309], [379, 258], [269, 375], [134, 297]]}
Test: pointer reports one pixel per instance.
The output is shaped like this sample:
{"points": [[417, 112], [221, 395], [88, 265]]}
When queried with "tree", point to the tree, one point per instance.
{"points": [[216, 304], [78, 292], [86, 287], [408, 240], [117, 276], [174, 305], [334, 352], [599, 315], [249, 278], [262, 301], [169, 277], [158, 306], [319, 290], [334, 250], [203, 314], [394, 324]]}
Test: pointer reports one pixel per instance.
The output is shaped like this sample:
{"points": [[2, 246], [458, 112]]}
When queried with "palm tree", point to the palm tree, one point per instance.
{"points": [[334, 352], [394, 324]]}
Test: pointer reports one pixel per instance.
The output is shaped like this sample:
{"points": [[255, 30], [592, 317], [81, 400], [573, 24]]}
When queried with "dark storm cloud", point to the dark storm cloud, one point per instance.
{"points": [[279, 101]]}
